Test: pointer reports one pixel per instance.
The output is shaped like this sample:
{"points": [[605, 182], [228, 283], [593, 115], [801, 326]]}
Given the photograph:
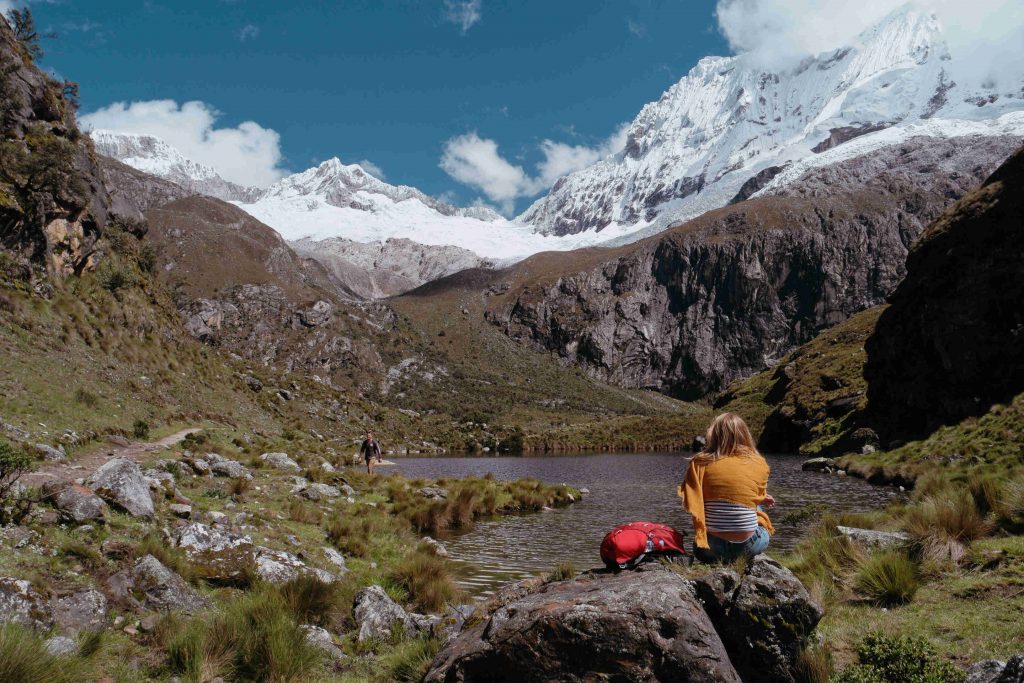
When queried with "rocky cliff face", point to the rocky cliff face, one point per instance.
{"points": [[952, 342], [731, 292], [53, 204]]}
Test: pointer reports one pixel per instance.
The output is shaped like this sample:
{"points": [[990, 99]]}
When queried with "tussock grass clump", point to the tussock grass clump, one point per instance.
{"points": [[888, 578], [310, 600], [822, 557], [814, 664], [898, 659], [239, 487], [306, 513], [253, 639], [24, 659], [409, 662], [564, 571], [358, 530], [427, 579], [1010, 507], [84, 553], [945, 524]]}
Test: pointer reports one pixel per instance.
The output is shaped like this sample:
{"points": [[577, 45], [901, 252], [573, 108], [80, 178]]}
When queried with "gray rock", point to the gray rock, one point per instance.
{"points": [[85, 610], [433, 493], [230, 468], [76, 503], [335, 558], [436, 546], [986, 671], [278, 566], [817, 464], [767, 622], [280, 461], [219, 555], [180, 510], [121, 483], [377, 615], [318, 314], [644, 625], [876, 539], [50, 453], [320, 492], [1014, 670], [348, 490], [21, 604], [61, 646], [321, 639], [200, 466], [163, 590]]}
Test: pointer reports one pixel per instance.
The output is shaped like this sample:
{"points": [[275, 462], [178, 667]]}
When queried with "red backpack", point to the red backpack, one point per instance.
{"points": [[628, 545]]}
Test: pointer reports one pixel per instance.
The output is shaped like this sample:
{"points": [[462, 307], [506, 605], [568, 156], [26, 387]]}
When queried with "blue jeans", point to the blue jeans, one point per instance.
{"points": [[727, 551]]}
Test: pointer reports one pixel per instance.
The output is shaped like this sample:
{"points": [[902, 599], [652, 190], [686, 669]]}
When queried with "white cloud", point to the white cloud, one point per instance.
{"points": [[635, 28], [984, 36], [248, 154], [373, 169], [476, 162], [248, 32], [463, 13]]}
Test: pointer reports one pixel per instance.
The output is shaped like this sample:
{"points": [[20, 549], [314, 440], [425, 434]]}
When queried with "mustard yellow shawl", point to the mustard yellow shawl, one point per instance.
{"points": [[740, 479]]}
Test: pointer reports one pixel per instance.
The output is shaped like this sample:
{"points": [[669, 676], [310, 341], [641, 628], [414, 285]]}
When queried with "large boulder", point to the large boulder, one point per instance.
{"points": [[643, 625], [278, 566], [20, 603], [75, 503], [377, 615], [219, 556], [280, 461], [121, 483], [993, 671], [84, 610], [230, 468], [161, 589], [765, 617]]}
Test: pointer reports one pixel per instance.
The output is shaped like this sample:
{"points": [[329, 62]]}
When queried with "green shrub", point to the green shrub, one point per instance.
{"points": [[887, 578], [112, 274], [140, 429], [14, 462], [898, 659], [86, 398], [24, 659], [409, 661]]}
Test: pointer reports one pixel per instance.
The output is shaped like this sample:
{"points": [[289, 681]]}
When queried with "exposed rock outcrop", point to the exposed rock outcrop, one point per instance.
{"points": [[377, 615], [645, 625], [53, 204], [121, 483], [75, 503], [951, 344], [731, 292], [161, 589]]}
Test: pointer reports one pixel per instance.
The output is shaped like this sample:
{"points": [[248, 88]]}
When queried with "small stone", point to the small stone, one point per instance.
{"points": [[321, 639], [61, 646], [50, 453], [433, 493], [131, 630], [148, 624], [436, 546], [181, 511], [876, 539], [335, 558], [318, 491], [86, 528], [230, 468]]}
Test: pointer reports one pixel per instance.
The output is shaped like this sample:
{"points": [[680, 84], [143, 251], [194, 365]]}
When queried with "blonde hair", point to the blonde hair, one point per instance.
{"points": [[728, 435]]}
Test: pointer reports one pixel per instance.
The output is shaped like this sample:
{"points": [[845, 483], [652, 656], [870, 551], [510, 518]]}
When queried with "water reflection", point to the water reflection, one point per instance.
{"points": [[623, 488]]}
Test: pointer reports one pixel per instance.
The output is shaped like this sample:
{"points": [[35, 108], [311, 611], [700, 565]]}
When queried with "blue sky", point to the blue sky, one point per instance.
{"points": [[392, 82]]}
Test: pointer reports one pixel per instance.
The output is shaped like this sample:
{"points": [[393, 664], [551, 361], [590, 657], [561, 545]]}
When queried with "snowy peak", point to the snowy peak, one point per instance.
{"points": [[729, 119], [153, 155], [350, 186]]}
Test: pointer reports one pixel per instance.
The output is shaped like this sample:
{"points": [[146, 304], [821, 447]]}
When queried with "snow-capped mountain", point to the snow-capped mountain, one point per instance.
{"points": [[154, 156], [337, 200], [728, 120]]}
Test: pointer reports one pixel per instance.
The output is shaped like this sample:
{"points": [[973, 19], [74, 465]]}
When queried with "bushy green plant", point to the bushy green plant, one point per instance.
{"points": [[140, 429], [887, 578], [14, 502], [112, 274], [898, 659]]}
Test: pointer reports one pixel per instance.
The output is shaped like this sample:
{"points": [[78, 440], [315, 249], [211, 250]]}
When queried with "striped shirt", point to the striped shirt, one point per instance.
{"points": [[721, 515]]}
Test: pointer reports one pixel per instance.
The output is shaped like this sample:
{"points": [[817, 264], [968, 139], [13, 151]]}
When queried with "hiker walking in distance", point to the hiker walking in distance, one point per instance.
{"points": [[370, 450]]}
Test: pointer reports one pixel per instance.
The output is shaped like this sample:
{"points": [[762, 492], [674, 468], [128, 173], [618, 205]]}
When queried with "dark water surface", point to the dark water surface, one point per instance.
{"points": [[623, 488]]}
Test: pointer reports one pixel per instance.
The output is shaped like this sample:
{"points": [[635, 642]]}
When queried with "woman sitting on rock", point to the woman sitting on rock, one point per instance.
{"points": [[726, 486]]}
